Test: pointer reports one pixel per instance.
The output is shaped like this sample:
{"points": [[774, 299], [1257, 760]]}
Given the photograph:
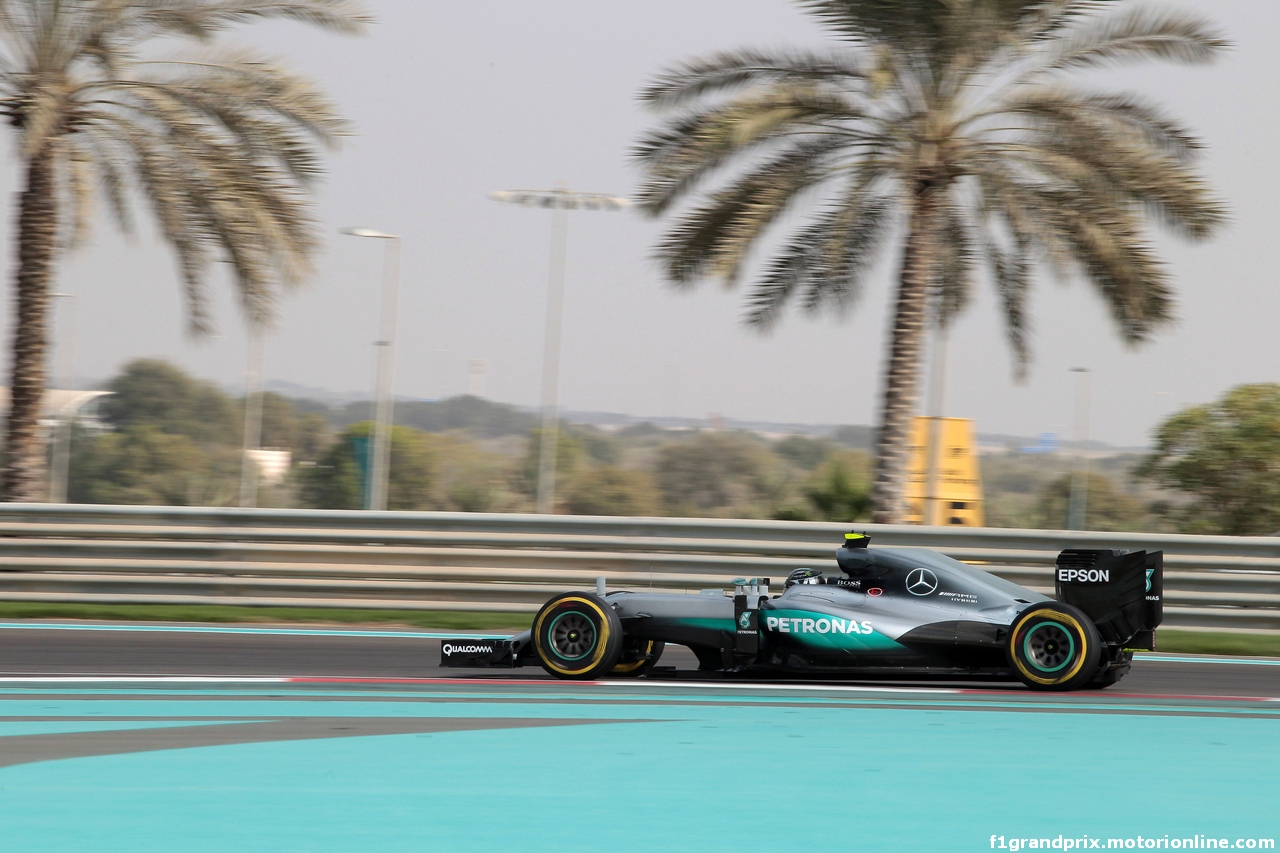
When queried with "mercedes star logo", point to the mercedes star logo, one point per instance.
{"points": [[921, 582]]}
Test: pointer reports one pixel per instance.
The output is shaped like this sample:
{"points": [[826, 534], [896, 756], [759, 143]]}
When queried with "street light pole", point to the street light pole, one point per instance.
{"points": [[551, 362], [60, 469], [253, 377], [379, 474], [1078, 502], [560, 201], [932, 514]]}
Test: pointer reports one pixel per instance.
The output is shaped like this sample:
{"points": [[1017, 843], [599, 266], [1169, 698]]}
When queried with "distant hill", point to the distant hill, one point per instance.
{"points": [[479, 417], [487, 419]]}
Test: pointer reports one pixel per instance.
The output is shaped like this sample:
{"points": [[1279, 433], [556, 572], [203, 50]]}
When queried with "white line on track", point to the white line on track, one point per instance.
{"points": [[267, 631], [141, 679], [1161, 658], [704, 685], [229, 679]]}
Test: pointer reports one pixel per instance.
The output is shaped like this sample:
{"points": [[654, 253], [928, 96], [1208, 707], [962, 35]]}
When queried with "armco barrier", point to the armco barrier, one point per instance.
{"points": [[501, 562]]}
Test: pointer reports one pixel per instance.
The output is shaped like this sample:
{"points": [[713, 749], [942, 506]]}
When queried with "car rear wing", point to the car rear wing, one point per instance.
{"points": [[1121, 591]]}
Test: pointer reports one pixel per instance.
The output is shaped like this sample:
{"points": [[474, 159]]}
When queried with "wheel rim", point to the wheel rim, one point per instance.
{"points": [[1049, 646], [572, 636]]}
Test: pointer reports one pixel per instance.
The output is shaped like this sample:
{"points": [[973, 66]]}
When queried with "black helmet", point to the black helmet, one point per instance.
{"points": [[803, 576]]}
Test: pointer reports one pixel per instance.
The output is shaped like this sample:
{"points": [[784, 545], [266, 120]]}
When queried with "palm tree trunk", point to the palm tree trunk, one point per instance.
{"points": [[902, 377], [24, 473]]}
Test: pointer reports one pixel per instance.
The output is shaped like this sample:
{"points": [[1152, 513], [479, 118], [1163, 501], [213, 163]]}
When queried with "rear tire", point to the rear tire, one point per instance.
{"points": [[577, 635], [1054, 646], [638, 657]]}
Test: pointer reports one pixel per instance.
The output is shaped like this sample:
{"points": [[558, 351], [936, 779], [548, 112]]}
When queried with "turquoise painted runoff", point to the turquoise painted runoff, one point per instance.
{"points": [[51, 727], [695, 777]]}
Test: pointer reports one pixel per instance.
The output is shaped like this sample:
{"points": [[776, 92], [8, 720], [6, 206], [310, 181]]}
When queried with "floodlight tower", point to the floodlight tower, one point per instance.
{"points": [[559, 201], [379, 472], [1078, 501]]}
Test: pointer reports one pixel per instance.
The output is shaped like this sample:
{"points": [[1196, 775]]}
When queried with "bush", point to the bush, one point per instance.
{"points": [[337, 481], [839, 490], [1225, 458], [612, 491], [802, 451], [718, 474], [1106, 507], [143, 466]]}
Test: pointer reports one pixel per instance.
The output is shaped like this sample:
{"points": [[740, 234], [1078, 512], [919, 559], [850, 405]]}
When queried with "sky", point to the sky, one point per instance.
{"points": [[451, 101]]}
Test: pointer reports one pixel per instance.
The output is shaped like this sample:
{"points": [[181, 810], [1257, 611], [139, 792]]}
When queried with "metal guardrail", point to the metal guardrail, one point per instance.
{"points": [[501, 562]]}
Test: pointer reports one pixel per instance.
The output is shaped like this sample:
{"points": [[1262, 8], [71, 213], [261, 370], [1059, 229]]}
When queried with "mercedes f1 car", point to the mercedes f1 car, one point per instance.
{"points": [[908, 612]]}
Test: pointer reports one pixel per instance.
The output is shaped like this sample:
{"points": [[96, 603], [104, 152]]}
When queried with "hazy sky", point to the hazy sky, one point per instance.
{"points": [[453, 100]]}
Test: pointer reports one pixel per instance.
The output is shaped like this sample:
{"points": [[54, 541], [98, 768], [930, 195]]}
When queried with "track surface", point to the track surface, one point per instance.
{"points": [[205, 740], [118, 650]]}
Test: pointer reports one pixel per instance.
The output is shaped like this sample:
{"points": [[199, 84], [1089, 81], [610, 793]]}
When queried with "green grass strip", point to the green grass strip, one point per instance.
{"points": [[445, 619], [1217, 643]]}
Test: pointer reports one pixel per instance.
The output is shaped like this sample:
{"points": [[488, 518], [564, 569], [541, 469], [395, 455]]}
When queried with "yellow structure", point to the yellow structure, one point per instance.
{"points": [[956, 495]]}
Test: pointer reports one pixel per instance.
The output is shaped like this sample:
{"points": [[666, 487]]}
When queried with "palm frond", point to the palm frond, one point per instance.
{"points": [[214, 197], [201, 19], [1125, 269], [1106, 241], [714, 239], [1008, 201], [1084, 114], [1011, 270], [223, 148], [691, 147], [170, 203], [955, 260], [272, 113], [1050, 17], [1071, 227], [114, 184], [825, 263], [1108, 166], [18, 35], [726, 72], [913, 27], [241, 74], [1131, 35]]}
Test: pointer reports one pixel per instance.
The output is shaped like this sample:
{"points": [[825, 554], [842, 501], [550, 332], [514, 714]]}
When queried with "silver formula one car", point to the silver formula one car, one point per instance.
{"points": [[908, 612]]}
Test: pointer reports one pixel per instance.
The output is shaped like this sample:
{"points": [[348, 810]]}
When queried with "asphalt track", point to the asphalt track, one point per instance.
{"points": [[146, 738], [156, 650]]}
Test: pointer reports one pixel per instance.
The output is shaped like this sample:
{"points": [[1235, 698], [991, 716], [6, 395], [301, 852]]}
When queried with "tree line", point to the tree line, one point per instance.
{"points": [[165, 438]]}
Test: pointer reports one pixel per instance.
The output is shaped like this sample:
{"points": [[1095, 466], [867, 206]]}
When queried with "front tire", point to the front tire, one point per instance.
{"points": [[1054, 646], [577, 635]]}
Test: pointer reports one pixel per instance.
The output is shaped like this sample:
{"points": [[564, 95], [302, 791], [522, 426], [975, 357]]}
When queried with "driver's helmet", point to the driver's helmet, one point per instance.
{"points": [[803, 576]]}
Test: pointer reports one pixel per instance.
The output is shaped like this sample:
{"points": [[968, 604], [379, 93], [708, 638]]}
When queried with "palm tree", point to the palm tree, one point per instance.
{"points": [[223, 146], [949, 122]]}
